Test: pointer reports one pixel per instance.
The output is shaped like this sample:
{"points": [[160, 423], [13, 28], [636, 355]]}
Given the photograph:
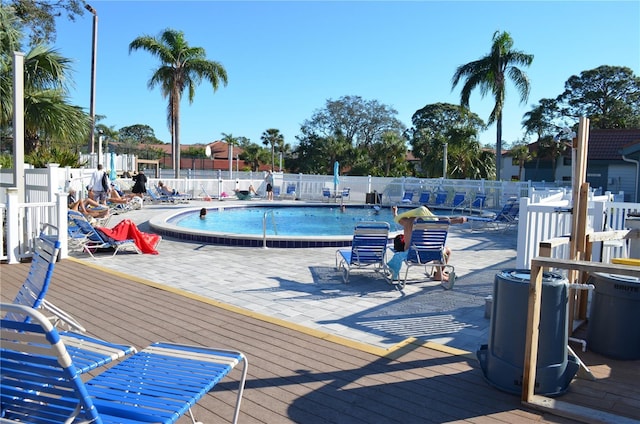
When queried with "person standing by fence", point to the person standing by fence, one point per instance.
{"points": [[99, 185], [140, 184]]}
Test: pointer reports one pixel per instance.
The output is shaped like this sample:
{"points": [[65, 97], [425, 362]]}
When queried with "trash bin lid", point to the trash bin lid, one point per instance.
{"points": [[618, 277], [524, 276]]}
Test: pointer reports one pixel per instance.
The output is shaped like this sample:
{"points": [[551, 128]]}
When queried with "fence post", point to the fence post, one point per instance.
{"points": [[599, 210], [13, 225], [61, 212], [52, 181], [524, 250]]}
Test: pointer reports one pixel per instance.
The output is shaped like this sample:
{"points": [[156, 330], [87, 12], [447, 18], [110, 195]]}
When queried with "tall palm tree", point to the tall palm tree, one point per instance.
{"points": [[231, 141], [521, 154], [273, 138], [489, 74], [181, 67]]}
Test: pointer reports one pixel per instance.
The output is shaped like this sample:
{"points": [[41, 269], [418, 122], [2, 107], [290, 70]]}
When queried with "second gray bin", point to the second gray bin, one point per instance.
{"points": [[502, 360], [614, 324]]}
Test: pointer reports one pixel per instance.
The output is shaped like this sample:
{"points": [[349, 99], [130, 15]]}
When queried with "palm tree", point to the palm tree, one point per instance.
{"points": [[489, 74], [273, 138], [48, 117], [521, 154], [182, 67], [231, 141]]}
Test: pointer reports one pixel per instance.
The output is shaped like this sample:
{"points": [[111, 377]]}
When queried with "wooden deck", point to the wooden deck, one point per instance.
{"points": [[302, 376]]}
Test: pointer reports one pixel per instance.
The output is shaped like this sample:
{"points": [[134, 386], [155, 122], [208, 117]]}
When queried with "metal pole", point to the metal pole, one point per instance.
{"points": [[444, 161], [92, 104]]}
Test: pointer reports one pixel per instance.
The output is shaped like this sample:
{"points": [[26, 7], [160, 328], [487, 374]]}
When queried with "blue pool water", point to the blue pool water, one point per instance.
{"points": [[285, 221]]}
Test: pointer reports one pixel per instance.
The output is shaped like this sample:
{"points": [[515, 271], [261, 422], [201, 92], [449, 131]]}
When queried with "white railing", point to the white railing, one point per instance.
{"points": [[551, 218], [24, 221], [544, 214]]}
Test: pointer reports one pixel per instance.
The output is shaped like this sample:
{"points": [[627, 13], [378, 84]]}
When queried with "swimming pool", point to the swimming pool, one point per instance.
{"points": [[285, 226]]}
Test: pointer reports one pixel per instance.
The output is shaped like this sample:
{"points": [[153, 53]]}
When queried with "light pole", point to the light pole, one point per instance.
{"points": [[444, 161], [92, 106]]}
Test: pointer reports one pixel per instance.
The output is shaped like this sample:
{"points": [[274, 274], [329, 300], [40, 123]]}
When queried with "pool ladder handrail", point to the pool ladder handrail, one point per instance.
{"points": [[264, 227]]}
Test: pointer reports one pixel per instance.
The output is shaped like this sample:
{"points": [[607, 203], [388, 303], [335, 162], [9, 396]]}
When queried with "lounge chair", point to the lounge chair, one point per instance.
{"points": [[503, 220], [425, 197], [459, 201], [479, 202], [95, 239], [326, 193], [367, 249], [40, 382], [156, 197], [291, 191], [344, 195], [276, 191], [427, 249], [407, 197], [88, 352], [164, 195], [441, 199]]}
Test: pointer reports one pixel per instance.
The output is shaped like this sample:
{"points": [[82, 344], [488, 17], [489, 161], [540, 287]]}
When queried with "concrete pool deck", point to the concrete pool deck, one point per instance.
{"points": [[302, 287]]}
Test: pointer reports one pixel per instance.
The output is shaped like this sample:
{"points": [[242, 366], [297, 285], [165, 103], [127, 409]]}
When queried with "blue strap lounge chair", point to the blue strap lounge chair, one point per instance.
{"points": [[425, 197], [427, 249], [367, 249], [96, 239], [344, 195], [480, 201], [326, 193], [41, 384], [291, 191], [407, 197], [441, 199], [88, 352], [459, 201], [505, 219]]}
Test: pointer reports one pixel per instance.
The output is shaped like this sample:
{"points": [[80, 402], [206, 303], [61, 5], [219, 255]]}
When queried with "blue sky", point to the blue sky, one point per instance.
{"points": [[285, 59]]}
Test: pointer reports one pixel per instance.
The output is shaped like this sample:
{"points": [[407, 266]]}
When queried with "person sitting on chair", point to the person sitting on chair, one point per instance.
{"points": [[166, 190], [246, 194], [88, 207], [406, 219]]}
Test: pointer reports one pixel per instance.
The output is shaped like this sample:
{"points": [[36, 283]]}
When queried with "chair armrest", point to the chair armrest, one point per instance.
{"points": [[61, 316]]}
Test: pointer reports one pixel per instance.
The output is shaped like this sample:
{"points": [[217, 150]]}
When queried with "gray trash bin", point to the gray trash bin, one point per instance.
{"points": [[614, 321], [502, 360]]}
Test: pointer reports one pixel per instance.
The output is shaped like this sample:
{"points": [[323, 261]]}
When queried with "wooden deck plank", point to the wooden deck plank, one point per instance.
{"points": [[301, 377]]}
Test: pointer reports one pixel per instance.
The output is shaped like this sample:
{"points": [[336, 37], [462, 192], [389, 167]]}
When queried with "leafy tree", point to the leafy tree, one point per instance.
{"points": [[360, 122], [316, 155], [182, 68], [273, 138], [195, 152], [490, 74], [608, 95], [388, 157], [440, 123], [38, 16], [142, 134], [48, 117]]}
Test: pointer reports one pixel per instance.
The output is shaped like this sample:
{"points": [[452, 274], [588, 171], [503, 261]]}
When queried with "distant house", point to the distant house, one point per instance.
{"points": [[612, 163]]}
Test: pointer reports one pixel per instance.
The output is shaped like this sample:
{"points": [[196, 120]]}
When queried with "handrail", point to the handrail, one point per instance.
{"points": [[264, 227]]}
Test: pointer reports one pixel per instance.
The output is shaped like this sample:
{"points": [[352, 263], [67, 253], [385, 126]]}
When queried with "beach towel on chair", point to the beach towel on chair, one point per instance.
{"points": [[127, 229]]}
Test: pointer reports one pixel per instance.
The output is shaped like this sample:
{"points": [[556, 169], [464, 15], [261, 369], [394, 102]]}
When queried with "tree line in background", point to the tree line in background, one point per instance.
{"points": [[365, 136]]}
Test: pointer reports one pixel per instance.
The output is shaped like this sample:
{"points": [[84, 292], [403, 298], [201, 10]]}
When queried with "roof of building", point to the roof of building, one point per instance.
{"points": [[607, 144]]}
